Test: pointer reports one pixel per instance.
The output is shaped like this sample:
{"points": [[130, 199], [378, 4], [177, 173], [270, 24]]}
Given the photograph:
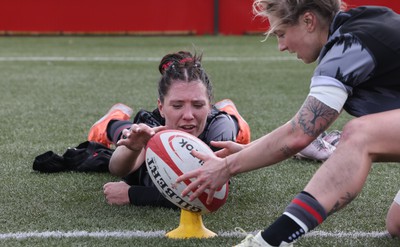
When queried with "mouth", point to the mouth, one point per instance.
{"points": [[187, 128]]}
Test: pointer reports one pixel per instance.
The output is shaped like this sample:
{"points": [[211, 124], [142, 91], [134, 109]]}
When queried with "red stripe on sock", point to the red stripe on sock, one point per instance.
{"points": [[309, 209]]}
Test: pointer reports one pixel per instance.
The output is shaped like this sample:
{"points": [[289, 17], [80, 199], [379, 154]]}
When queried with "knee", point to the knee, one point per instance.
{"points": [[354, 133], [393, 218], [393, 231], [393, 226]]}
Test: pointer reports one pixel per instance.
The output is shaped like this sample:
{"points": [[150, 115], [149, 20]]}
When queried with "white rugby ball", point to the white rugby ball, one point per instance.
{"points": [[168, 155]]}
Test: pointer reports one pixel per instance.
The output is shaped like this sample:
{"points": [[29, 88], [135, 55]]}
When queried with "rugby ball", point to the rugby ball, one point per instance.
{"points": [[168, 155]]}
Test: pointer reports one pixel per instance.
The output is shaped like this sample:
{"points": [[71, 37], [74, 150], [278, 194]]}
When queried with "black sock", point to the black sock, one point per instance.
{"points": [[303, 214], [283, 229], [115, 128]]}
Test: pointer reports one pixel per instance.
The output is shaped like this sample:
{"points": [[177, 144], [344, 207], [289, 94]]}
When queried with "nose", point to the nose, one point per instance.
{"points": [[188, 113], [282, 46]]}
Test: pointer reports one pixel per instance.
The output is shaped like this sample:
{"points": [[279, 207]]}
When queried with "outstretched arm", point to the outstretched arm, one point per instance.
{"points": [[312, 119], [129, 154]]}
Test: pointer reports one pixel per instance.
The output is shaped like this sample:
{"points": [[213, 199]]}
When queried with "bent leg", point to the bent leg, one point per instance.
{"points": [[340, 178], [364, 140]]}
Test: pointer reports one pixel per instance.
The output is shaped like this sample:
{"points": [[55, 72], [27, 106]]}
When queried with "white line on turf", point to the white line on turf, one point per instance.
{"points": [[77, 234], [136, 59], [155, 234]]}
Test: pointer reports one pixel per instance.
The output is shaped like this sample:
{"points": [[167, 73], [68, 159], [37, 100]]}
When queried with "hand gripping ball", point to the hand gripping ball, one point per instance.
{"points": [[168, 155]]}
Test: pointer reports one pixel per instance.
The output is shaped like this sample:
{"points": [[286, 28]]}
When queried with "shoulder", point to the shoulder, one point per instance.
{"points": [[152, 119], [220, 127], [220, 117], [346, 59]]}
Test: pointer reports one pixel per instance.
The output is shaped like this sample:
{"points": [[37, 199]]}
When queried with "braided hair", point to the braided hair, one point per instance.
{"points": [[185, 67]]}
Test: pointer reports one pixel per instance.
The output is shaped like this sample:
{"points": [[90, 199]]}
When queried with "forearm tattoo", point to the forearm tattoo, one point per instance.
{"points": [[293, 125], [342, 202], [288, 152], [314, 116]]}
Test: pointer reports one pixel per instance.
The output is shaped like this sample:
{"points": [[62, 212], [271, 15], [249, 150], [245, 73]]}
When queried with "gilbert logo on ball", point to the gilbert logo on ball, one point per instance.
{"points": [[168, 155]]}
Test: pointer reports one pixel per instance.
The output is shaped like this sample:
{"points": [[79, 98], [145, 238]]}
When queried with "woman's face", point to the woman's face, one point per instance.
{"points": [[186, 107], [305, 38]]}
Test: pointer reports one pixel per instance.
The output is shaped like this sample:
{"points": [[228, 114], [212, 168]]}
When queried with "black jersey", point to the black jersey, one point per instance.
{"points": [[363, 55]]}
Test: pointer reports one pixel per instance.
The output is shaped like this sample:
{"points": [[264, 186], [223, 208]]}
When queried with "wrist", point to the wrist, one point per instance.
{"points": [[227, 167], [136, 150]]}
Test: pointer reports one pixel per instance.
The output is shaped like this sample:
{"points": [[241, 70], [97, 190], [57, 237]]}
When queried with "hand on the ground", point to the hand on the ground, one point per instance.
{"points": [[116, 193]]}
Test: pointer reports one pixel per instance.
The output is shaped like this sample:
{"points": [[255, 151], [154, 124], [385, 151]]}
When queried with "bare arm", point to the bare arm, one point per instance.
{"points": [[311, 120], [123, 161], [129, 155]]}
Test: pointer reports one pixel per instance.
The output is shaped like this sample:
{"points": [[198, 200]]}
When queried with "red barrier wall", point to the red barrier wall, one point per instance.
{"points": [[238, 18], [109, 16], [137, 16], [393, 4]]}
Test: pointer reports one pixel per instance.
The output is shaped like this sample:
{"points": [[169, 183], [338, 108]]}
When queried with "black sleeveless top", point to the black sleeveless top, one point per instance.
{"points": [[363, 54]]}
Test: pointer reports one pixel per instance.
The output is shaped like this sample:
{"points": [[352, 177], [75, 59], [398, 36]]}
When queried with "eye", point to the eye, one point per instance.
{"points": [[177, 106], [279, 34], [198, 105]]}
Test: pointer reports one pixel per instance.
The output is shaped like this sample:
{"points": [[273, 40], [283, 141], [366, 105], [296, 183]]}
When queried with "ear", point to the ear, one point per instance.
{"points": [[310, 20], [160, 107]]}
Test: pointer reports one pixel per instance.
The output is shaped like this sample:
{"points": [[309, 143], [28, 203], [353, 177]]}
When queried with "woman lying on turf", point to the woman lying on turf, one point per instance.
{"points": [[358, 70], [185, 95], [184, 103]]}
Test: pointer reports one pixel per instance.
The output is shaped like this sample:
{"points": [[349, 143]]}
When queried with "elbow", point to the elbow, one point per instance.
{"points": [[295, 138], [118, 164], [113, 167], [301, 142]]}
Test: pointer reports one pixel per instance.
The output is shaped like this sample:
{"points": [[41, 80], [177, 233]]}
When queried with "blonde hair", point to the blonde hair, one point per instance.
{"points": [[289, 11]]}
